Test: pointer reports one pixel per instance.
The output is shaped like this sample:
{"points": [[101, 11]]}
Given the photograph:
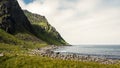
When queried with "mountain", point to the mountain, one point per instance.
{"points": [[43, 29], [25, 26], [12, 18]]}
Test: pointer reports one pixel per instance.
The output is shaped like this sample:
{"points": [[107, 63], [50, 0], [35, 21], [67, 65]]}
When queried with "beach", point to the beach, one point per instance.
{"points": [[49, 52]]}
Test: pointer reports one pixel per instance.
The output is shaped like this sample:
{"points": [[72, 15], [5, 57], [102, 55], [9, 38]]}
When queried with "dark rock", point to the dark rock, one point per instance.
{"points": [[12, 18], [14, 21]]}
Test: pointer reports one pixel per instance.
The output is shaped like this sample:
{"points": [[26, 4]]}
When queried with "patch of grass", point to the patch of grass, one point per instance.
{"points": [[27, 41], [8, 48], [45, 62], [8, 38]]}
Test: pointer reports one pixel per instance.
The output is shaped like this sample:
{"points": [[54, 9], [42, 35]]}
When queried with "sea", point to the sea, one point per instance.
{"points": [[106, 51]]}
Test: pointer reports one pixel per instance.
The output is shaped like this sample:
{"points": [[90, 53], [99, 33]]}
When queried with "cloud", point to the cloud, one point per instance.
{"points": [[81, 21]]}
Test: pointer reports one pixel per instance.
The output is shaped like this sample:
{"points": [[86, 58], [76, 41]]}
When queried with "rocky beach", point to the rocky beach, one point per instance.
{"points": [[49, 52]]}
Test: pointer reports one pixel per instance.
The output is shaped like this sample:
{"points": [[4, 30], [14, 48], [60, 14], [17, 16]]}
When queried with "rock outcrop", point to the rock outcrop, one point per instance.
{"points": [[12, 18], [14, 21], [43, 29]]}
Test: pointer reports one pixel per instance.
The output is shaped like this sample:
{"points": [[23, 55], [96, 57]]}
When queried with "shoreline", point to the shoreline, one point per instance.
{"points": [[94, 55], [48, 51]]}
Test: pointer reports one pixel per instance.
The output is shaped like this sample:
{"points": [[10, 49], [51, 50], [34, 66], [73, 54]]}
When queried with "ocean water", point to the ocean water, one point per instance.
{"points": [[107, 51]]}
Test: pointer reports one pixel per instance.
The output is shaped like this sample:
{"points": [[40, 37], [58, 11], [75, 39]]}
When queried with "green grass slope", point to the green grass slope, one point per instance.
{"points": [[26, 25], [44, 30], [8, 38], [10, 41]]}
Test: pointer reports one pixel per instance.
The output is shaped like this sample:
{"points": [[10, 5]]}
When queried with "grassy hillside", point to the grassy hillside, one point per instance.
{"points": [[7, 40], [44, 30], [12, 18], [29, 26]]}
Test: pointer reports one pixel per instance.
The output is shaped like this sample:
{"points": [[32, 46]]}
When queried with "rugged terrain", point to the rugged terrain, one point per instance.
{"points": [[22, 32], [26, 26], [43, 29]]}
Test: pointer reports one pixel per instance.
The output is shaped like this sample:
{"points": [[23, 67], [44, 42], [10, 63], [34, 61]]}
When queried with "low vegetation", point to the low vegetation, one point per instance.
{"points": [[24, 61], [16, 56], [44, 30], [20, 34]]}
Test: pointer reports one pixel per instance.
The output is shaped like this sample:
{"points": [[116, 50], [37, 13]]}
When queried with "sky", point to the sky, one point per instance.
{"points": [[27, 1], [80, 21]]}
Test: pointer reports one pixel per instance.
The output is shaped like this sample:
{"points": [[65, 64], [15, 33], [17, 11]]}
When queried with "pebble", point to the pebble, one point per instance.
{"points": [[1, 54], [48, 52]]}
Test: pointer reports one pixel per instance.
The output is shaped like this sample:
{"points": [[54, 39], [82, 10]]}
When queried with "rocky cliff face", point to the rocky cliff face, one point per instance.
{"points": [[12, 18], [14, 21], [43, 29]]}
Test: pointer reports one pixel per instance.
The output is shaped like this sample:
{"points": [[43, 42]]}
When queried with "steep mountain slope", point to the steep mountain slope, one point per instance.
{"points": [[33, 28], [12, 18], [43, 29]]}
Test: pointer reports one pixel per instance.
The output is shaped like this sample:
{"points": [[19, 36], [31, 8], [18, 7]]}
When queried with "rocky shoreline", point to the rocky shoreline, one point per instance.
{"points": [[49, 52]]}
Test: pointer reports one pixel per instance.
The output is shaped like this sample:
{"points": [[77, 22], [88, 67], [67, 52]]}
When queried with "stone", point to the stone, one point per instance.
{"points": [[1, 54], [12, 18]]}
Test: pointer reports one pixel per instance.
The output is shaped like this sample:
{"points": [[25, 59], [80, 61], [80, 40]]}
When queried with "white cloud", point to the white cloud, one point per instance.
{"points": [[81, 21]]}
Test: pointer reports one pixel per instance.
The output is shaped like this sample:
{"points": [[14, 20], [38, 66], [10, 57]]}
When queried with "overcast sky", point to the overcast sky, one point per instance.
{"points": [[80, 21]]}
